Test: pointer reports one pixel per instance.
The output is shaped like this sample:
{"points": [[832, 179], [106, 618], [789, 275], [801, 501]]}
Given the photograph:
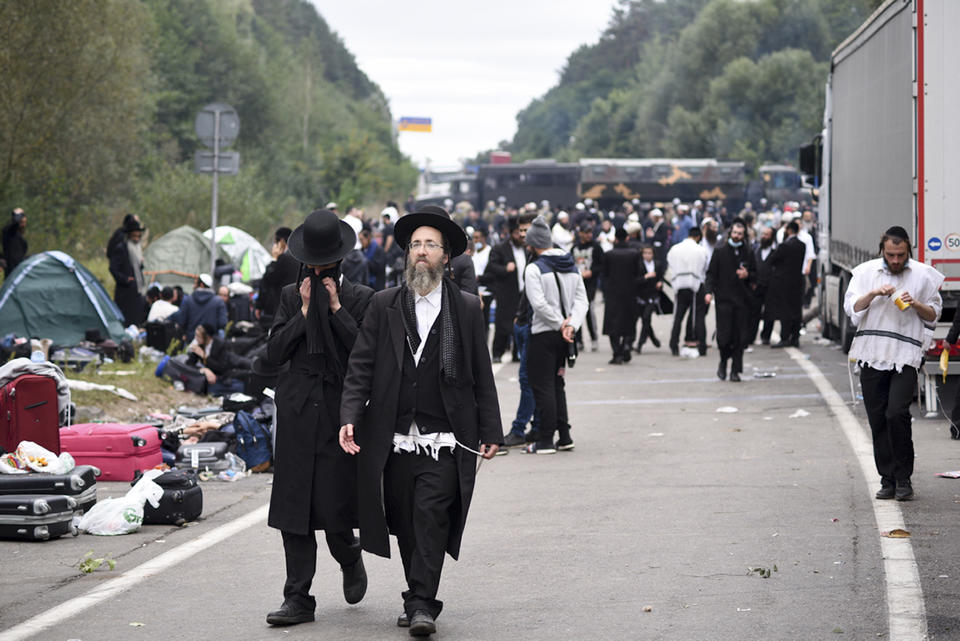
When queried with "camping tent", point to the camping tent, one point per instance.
{"points": [[178, 257], [50, 295], [246, 253]]}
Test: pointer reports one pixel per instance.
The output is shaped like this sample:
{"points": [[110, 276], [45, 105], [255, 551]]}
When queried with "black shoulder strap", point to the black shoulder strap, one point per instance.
{"points": [[563, 309]]}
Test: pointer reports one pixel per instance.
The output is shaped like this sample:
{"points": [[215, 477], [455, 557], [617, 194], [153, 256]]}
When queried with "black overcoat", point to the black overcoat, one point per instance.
{"points": [[623, 268], [786, 280], [128, 298], [504, 284], [374, 374], [308, 421]]}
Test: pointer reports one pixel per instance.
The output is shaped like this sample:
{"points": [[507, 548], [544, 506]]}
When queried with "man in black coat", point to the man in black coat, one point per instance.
{"points": [[419, 403], [281, 272], [588, 255], [314, 482], [730, 275], [763, 295], [505, 275], [623, 270], [14, 241], [786, 284], [126, 267]]}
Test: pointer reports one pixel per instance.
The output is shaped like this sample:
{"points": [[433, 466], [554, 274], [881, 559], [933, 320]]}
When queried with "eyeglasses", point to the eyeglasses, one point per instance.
{"points": [[429, 245]]}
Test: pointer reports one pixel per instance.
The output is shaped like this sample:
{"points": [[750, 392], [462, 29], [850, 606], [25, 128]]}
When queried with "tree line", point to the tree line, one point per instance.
{"points": [[727, 79], [97, 107]]}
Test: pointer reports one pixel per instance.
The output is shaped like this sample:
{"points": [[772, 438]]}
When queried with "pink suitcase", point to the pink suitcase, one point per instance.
{"points": [[120, 450], [28, 412]]}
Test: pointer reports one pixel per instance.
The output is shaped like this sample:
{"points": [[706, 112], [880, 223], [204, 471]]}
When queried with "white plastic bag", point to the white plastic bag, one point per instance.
{"points": [[40, 459], [125, 514]]}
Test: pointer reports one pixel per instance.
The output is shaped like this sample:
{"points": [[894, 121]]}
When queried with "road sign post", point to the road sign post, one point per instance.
{"points": [[217, 125]]}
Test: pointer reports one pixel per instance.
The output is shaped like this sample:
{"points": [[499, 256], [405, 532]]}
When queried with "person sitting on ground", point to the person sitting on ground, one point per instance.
{"points": [[202, 306], [163, 308], [221, 367]]}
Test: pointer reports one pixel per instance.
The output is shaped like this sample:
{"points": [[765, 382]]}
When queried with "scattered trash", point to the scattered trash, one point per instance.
{"points": [[896, 534], [648, 608], [764, 374], [743, 609], [137, 624], [727, 409], [763, 573], [949, 475], [655, 434], [119, 372], [736, 429], [689, 352], [87, 387], [768, 418], [88, 564], [801, 413], [834, 520]]}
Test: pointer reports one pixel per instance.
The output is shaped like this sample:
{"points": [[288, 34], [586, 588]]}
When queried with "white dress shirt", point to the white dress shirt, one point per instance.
{"points": [[688, 264], [427, 309], [886, 337], [520, 260], [480, 259]]}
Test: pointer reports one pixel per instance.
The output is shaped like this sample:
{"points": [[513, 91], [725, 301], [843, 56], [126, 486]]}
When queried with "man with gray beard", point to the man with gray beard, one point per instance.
{"points": [[419, 405]]}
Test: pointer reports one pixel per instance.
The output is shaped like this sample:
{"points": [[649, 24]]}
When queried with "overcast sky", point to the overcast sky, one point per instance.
{"points": [[470, 66]]}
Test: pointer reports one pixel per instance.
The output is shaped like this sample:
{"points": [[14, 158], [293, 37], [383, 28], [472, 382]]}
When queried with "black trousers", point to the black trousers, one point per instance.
{"points": [[487, 300], [696, 329], [300, 552], [421, 500], [503, 327], [887, 396], [733, 328], [646, 322], [546, 360]]}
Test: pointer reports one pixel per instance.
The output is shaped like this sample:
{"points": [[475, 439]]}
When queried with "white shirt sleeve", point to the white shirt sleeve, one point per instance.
{"points": [[580, 305], [858, 287]]}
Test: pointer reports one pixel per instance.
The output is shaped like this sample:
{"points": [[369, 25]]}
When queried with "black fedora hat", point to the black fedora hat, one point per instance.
{"points": [[436, 217], [322, 239], [131, 224]]}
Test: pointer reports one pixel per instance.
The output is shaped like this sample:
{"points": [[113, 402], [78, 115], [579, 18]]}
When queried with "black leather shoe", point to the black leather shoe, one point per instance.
{"points": [[403, 621], [675, 351], [422, 624], [780, 345], [904, 490], [722, 371], [886, 491], [289, 614], [655, 341], [734, 377], [354, 582]]}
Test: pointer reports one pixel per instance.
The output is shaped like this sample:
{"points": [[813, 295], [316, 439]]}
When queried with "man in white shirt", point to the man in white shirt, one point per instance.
{"points": [[561, 234], [163, 307], [687, 261], [480, 257], [891, 300]]}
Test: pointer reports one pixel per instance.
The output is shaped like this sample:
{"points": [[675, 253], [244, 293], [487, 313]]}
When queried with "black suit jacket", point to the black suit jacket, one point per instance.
{"points": [[283, 271], [504, 284], [374, 374]]}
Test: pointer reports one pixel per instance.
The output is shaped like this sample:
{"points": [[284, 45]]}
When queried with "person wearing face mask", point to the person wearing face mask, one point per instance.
{"points": [[314, 483], [731, 277]]}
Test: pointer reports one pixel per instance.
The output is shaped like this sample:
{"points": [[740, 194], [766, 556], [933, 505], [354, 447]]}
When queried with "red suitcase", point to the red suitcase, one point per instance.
{"points": [[120, 450], [28, 412]]}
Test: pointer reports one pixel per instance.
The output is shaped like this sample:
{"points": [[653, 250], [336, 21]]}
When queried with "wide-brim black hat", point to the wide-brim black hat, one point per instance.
{"points": [[436, 217], [322, 239]]}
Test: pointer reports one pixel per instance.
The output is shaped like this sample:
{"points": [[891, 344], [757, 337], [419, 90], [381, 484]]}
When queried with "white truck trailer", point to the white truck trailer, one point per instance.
{"points": [[891, 151]]}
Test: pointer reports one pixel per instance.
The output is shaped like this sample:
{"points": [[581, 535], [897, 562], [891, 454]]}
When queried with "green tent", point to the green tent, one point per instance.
{"points": [[246, 253], [50, 295], [178, 257]]}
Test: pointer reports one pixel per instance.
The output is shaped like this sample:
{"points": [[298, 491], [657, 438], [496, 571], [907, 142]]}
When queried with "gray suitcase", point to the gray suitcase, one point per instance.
{"points": [[210, 456], [36, 517]]}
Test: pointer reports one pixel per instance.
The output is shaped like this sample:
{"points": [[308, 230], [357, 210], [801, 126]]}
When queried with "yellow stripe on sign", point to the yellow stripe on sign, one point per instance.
{"points": [[415, 124]]}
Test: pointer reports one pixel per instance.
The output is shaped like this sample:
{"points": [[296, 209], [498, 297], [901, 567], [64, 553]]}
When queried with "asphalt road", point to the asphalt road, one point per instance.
{"points": [[663, 523]]}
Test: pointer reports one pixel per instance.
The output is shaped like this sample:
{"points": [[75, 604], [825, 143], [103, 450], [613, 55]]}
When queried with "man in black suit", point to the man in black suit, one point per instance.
{"points": [[730, 275], [763, 295], [505, 274], [281, 272], [787, 285], [314, 482], [419, 403]]}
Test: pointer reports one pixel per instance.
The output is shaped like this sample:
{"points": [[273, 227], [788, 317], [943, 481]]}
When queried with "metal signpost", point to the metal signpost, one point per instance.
{"points": [[217, 126]]}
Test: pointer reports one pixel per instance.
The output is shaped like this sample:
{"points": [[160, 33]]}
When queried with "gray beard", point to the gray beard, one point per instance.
{"points": [[423, 281]]}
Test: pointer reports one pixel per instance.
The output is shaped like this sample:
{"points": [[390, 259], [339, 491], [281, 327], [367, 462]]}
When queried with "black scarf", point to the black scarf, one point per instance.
{"points": [[449, 335], [319, 335]]}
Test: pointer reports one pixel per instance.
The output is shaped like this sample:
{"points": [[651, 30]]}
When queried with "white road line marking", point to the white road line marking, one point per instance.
{"points": [[906, 610], [113, 587]]}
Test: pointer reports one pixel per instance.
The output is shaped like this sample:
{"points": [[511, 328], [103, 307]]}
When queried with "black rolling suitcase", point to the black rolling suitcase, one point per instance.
{"points": [[161, 333], [210, 456], [182, 499], [80, 484], [36, 517]]}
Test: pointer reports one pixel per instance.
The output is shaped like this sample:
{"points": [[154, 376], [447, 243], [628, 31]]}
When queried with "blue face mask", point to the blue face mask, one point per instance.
{"points": [[734, 244], [478, 246]]}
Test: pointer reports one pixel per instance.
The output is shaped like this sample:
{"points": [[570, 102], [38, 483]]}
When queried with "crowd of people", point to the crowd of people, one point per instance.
{"points": [[379, 330]]}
